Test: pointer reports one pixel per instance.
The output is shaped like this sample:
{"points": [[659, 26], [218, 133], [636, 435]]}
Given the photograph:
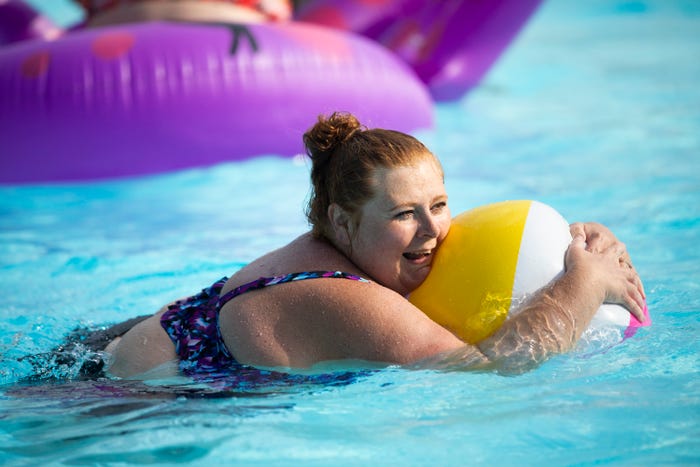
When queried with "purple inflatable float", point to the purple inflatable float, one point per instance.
{"points": [[146, 98]]}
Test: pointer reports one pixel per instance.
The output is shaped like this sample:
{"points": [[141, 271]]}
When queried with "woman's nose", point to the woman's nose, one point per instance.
{"points": [[429, 227]]}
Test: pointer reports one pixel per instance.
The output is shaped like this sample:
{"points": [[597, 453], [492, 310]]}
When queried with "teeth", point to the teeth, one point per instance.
{"points": [[416, 255]]}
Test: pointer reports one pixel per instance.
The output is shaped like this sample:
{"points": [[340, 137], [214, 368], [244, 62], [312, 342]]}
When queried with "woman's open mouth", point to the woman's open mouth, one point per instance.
{"points": [[417, 255]]}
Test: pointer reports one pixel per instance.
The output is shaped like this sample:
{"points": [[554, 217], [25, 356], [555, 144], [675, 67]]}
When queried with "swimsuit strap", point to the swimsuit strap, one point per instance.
{"points": [[274, 280]]}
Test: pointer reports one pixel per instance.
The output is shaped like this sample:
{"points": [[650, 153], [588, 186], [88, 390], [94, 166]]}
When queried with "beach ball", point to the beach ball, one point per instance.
{"points": [[492, 260]]}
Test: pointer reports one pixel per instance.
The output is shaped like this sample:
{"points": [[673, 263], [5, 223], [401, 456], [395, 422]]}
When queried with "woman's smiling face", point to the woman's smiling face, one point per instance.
{"points": [[401, 226]]}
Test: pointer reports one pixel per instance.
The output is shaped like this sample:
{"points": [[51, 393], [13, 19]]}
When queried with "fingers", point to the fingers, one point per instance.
{"points": [[577, 245], [626, 263], [577, 229], [631, 292], [640, 287], [575, 251], [638, 284], [626, 258], [631, 297], [598, 237], [579, 240], [616, 248], [634, 302]]}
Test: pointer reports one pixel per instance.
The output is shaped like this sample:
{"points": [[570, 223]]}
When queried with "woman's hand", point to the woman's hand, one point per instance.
{"points": [[599, 238], [606, 266]]}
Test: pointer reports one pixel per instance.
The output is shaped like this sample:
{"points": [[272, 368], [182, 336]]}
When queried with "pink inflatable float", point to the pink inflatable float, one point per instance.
{"points": [[450, 44]]}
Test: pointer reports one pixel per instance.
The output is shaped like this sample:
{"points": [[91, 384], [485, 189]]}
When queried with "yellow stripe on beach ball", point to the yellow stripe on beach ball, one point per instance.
{"points": [[470, 286]]}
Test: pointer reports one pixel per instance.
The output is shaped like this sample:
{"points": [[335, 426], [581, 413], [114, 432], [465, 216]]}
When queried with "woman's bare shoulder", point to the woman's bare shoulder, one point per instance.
{"points": [[306, 322], [305, 253]]}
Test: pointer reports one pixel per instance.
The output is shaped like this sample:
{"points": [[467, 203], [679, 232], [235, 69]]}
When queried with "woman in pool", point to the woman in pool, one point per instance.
{"points": [[106, 12], [378, 213]]}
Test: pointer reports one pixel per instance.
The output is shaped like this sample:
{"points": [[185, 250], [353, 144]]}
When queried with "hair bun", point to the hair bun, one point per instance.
{"points": [[328, 133]]}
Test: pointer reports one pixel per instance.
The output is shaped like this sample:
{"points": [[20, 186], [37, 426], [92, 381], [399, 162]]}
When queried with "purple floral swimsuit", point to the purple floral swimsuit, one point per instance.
{"points": [[193, 323]]}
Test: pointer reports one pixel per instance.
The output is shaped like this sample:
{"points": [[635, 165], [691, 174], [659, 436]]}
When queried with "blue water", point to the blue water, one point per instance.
{"points": [[595, 110]]}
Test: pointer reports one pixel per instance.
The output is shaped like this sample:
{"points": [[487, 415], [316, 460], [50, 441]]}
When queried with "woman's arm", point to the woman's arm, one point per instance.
{"points": [[554, 319], [335, 320]]}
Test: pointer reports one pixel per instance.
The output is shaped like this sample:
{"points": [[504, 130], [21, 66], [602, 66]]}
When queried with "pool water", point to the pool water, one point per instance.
{"points": [[595, 110]]}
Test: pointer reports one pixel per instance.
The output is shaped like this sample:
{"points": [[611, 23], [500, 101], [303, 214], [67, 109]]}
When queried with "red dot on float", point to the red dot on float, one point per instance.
{"points": [[113, 45], [327, 16], [36, 64]]}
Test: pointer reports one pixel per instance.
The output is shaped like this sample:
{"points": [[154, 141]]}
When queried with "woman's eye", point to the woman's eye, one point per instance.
{"points": [[404, 215], [439, 206]]}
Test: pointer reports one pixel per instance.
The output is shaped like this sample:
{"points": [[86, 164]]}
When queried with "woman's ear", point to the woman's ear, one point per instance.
{"points": [[340, 224]]}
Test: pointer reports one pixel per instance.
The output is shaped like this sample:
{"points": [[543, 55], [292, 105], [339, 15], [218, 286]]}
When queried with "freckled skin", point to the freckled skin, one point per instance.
{"points": [[409, 214]]}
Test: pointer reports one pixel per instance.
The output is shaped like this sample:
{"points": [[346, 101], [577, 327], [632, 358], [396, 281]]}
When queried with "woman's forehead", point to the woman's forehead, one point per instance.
{"points": [[403, 183]]}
